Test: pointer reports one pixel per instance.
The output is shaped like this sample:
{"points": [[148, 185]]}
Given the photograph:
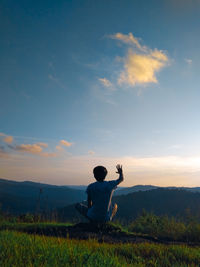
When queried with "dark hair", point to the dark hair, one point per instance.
{"points": [[100, 173]]}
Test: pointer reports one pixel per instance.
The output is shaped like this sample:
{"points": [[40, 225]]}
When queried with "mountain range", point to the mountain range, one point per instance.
{"points": [[22, 197]]}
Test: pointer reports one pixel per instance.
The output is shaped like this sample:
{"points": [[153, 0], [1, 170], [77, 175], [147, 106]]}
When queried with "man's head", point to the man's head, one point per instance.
{"points": [[100, 173]]}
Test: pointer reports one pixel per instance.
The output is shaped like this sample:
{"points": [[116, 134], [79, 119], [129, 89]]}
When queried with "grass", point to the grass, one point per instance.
{"points": [[166, 228], [20, 249], [25, 226]]}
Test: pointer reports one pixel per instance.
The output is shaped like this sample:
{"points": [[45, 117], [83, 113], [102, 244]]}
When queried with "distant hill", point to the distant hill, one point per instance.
{"points": [[161, 201], [172, 202], [132, 189], [21, 197], [79, 187], [136, 188]]}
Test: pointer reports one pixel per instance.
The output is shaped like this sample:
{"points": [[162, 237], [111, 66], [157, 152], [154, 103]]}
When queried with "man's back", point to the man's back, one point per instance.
{"points": [[99, 208], [101, 195]]}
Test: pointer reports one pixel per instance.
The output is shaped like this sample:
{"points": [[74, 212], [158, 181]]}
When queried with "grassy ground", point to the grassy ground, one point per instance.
{"points": [[20, 249], [25, 226]]}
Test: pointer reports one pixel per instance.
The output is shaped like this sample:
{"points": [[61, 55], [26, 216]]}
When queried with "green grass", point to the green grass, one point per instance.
{"points": [[24, 226], [166, 228], [20, 249]]}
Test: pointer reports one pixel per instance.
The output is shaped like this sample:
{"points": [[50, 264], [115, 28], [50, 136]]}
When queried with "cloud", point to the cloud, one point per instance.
{"points": [[29, 148], [141, 63], [59, 148], [35, 149], [91, 152], [3, 153], [65, 143], [176, 146], [48, 155], [56, 81], [105, 82], [42, 144], [159, 55], [188, 61], [141, 68], [7, 139], [128, 39]]}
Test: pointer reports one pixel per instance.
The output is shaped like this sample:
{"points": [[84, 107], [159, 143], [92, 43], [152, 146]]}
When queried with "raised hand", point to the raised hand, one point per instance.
{"points": [[119, 169]]}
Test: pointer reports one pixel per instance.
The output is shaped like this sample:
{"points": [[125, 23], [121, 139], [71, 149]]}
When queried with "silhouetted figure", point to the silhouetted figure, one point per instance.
{"points": [[99, 207]]}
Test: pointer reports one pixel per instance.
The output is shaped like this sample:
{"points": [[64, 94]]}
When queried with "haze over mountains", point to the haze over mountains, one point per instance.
{"points": [[22, 197]]}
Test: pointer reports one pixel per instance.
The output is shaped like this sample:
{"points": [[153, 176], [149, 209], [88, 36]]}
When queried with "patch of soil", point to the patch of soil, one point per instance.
{"points": [[101, 232], [83, 231], [105, 233]]}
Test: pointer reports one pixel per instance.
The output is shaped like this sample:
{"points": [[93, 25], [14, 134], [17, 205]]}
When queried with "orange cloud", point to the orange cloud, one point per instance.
{"points": [[59, 148], [65, 143], [48, 155], [8, 139], [33, 149], [42, 144]]}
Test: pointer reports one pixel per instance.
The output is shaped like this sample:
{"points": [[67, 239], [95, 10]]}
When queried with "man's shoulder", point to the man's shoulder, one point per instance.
{"points": [[92, 185], [113, 183]]}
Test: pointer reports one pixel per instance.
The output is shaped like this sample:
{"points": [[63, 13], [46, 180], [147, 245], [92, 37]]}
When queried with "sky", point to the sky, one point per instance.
{"points": [[87, 83]]}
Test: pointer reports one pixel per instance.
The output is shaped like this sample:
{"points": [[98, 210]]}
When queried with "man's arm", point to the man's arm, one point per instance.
{"points": [[89, 201], [120, 171]]}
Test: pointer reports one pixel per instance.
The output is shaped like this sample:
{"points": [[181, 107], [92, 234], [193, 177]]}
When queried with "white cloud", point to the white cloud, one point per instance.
{"points": [[105, 82], [188, 61]]}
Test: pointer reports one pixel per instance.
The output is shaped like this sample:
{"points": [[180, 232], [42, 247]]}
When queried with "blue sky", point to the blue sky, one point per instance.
{"points": [[85, 83]]}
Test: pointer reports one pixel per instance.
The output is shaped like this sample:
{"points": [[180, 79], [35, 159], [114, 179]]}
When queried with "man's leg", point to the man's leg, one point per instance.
{"points": [[82, 209], [114, 211]]}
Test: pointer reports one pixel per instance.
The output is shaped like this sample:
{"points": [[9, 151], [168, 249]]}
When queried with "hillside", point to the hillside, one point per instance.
{"points": [[21, 197], [135, 188], [172, 202]]}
